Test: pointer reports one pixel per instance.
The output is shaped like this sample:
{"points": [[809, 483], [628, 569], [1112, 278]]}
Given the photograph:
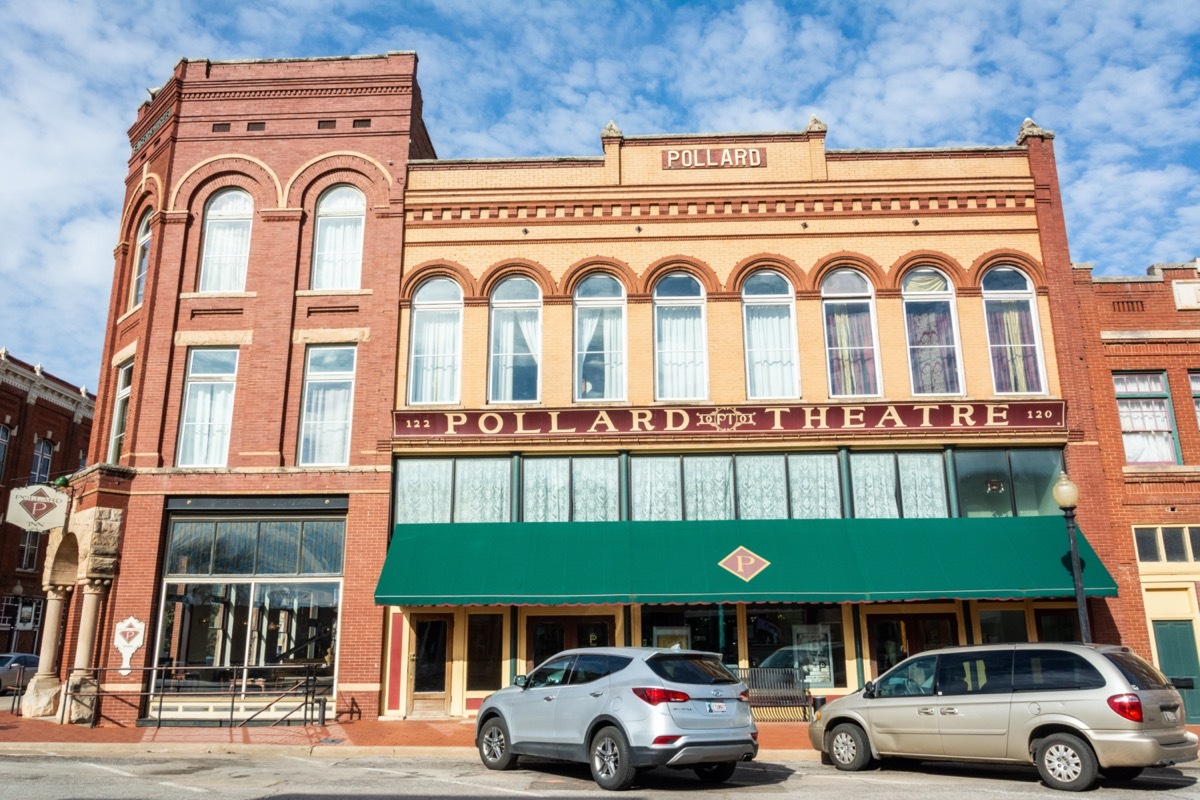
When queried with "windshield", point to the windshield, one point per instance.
{"points": [[701, 670], [6, 660]]}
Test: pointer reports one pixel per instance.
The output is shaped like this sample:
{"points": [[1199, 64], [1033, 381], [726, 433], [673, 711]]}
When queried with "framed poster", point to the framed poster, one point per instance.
{"points": [[815, 648], [25, 617], [670, 637]]}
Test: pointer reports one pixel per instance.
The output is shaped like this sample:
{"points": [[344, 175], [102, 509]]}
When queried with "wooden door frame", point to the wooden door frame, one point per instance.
{"points": [[413, 619], [950, 610], [566, 619]]}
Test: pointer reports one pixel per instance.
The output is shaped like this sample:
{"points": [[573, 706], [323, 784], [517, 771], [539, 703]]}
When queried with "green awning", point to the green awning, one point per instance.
{"points": [[815, 561]]}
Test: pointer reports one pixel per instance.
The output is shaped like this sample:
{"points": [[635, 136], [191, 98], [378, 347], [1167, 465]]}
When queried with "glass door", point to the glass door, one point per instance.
{"points": [[894, 637], [429, 664]]}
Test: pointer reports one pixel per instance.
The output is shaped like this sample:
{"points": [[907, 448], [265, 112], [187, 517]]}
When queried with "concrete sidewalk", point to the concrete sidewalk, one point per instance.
{"points": [[780, 741]]}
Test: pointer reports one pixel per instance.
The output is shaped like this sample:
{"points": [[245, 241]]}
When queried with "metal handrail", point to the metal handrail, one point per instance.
{"points": [[777, 692], [18, 690]]}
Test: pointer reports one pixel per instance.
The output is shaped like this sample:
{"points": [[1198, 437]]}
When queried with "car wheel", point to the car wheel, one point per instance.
{"points": [[1066, 762], [494, 745], [848, 748], [716, 773], [612, 767], [1121, 773]]}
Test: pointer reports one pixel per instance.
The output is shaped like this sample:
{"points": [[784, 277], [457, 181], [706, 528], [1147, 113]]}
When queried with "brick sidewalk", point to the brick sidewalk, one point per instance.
{"points": [[414, 734]]}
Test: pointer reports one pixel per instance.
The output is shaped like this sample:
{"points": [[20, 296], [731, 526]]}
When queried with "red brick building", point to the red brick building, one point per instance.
{"points": [[45, 426]]}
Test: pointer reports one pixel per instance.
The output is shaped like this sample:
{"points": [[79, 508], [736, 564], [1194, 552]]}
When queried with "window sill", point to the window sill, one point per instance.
{"points": [[129, 313], [332, 292], [202, 295], [1160, 469]]}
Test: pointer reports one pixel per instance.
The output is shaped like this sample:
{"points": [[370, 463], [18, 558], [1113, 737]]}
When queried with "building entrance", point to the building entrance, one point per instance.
{"points": [[429, 665], [894, 637], [546, 636]]}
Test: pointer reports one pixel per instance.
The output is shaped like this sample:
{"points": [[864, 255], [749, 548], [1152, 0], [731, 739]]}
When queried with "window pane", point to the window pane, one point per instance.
{"points": [[600, 352], [1002, 626], [595, 486], [207, 421], [515, 289], [708, 490], [1034, 473], [438, 290], [873, 479], [481, 490], [1056, 624], [816, 486], [1139, 383], [547, 490], [1147, 431], [677, 285], [325, 427], [296, 624], [1194, 536], [236, 543], [423, 490], [932, 355], [1173, 547], [1147, 544], [1005, 279], [599, 286], [191, 548], [516, 350], [845, 282], [1043, 670], [209, 362], [806, 637], [656, 488], [923, 484], [205, 625], [322, 546], [226, 242], [279, 547], [713, 628], [983, 483], [1013, 340], [435, 355], [770, 351], [975, 672], [681, 352], [485, 649], [762, 487], [850, 344], [337, 260]]}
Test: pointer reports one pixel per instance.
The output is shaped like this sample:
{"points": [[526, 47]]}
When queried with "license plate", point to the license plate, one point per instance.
{"points": [[1169, 715], [717, 707]]}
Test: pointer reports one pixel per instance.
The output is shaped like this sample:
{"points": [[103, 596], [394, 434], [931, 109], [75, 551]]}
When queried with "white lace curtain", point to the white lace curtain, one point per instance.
{"points": [[1147, 431], [423, 490], [435, 355], [816, 486], [337, 262], [770, 351], [682, 348], [566, 489]]}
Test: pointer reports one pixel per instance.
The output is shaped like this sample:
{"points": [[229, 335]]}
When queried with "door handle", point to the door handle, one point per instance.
{"points": [[548, 698], [596, 693], [926, 710], [950, 710]]}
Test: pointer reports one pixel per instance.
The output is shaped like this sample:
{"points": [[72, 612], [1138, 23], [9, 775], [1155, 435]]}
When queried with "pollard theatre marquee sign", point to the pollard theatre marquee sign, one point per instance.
{"points": [[37, 508], [731, 421]]}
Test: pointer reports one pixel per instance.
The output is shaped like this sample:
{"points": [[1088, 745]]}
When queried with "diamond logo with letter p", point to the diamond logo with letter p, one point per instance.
{"points": [[745, 564]]}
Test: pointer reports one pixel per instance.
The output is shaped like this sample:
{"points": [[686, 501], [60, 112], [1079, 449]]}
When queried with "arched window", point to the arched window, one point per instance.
{"points": [[516, 348], [600, 338], [931, 326], [337, 256], [226, 241], [680, 339], [43, 450], [769, 322], [435, 353], [3, 450], [141, 261], [1013, 339], [848, 304]]}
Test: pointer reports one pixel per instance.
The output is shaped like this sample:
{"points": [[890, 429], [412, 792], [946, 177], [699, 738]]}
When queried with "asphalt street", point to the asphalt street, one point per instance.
{"points": [[46, 775]]}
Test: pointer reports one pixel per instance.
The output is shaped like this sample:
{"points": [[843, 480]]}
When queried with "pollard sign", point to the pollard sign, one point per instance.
{"points": [[37, 508]]}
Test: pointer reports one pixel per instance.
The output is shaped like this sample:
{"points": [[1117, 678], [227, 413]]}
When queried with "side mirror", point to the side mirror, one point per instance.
{"points": [[869, 689], [519, 681], [1183, 683]]}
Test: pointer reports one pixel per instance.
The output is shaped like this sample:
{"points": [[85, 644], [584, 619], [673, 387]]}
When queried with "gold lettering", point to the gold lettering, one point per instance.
{"points": [[852, 417], [819, 412], [672, 414], [602, 416], [554, 424], [925, 412], [641, 420], [743, 562], [997, 415], [778, 413], [687, 158], [521, 424], [964, 416], [891, 414], [493, 416], [453, 421]]}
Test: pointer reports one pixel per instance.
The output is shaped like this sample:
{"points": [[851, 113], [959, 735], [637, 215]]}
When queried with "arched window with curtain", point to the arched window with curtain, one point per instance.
{"points": [[141, 261], [931, 326], [680, 339], [848, 304], [43, 452], [1012, 328], [337, 252], [435, 351], [769, 324], [516, 341], [226, 241], [600, 338]]}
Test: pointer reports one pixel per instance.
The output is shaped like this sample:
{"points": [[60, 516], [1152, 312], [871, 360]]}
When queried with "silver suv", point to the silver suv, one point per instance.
{"points": [[1073, 710], [622, 710]]}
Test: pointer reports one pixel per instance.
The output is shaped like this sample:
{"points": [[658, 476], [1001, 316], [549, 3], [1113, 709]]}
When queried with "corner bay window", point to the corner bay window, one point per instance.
{"points": [[848, 305], [1147, 420], [141, 262], [600, 338], [207, 407], [120, 411]]}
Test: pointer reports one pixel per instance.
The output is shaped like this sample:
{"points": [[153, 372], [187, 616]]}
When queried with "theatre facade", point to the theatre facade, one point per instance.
{"points": [[736, 392]]}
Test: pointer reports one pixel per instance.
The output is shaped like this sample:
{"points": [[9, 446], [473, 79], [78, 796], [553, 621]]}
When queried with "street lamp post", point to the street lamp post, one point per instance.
{"points": [[1066, 494]]}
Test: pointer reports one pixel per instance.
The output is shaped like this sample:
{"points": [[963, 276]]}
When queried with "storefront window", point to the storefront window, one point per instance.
{"points": [[697, 627], [984, 485], [1002, 626], [485, 650], [1034, 474], [808, 638], [816, 486], [1056, 624], [570, 489]]}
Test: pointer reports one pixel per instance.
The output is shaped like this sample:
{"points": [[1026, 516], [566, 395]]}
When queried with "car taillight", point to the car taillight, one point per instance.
{"points": [[654, 695], [1128, 706], [754, 736], [744, 696], [666, 739]]}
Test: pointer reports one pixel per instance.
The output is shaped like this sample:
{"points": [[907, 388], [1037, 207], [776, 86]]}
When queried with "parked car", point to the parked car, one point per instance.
{"points": [[10, 668], [622, 710], [1076, 711]]}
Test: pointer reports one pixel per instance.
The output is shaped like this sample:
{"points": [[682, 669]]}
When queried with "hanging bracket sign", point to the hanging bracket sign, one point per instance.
{"points": [[37, 508]]}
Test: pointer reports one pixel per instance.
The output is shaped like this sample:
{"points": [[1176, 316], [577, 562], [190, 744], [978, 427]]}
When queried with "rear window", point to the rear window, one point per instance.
{"points": [[691, 669], [1053, 670], [1139, 673]]}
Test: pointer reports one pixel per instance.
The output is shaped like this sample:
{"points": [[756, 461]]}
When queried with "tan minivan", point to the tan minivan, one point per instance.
{"points": [[1074, 710]]}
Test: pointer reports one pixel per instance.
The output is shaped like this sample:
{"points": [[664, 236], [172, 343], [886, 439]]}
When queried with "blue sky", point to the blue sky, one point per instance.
{"points": [[1118, 82]]}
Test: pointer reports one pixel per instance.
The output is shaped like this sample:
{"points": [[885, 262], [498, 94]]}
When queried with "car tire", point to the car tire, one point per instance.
{"points": [[494, 745], [1121, 773], [715, 773], [611, 761], [848, 748], [1066, 762]]}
